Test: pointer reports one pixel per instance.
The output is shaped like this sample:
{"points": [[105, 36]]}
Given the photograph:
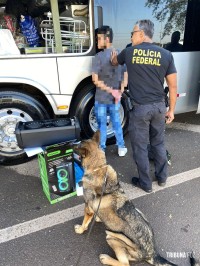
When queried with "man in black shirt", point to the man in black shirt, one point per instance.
{"points": [[148, 66], [174, 45]]}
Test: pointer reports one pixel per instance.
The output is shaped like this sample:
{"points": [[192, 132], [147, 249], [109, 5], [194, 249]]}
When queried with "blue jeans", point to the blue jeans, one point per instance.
{"points": [[101, 111]]}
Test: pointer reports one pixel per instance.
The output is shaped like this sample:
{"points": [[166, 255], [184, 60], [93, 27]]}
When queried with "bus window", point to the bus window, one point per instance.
{"points": [[178, 24], [35, 22], [74, 26], [192, 33], [178, 21]]}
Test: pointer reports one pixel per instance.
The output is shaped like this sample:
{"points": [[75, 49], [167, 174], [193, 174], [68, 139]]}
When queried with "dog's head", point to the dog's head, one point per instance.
{"points": [[91, 154]]}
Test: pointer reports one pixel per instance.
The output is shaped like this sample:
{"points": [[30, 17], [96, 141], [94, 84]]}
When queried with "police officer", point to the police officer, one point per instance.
{"points": [[148, 65]]}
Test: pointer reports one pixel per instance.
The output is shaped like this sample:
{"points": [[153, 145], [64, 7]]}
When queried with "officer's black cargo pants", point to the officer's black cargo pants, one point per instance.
{"points": [[147, 125]]}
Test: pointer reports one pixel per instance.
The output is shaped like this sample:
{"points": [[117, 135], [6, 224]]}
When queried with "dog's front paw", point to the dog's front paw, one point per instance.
{"points": [[104, 258], [79, 229]]}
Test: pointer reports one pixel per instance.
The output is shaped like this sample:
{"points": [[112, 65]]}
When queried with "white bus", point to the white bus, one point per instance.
{"points": [[54, 79]]}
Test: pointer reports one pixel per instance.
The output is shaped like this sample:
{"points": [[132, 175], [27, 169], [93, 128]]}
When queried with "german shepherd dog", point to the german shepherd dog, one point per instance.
{"points": [[128, 232]]}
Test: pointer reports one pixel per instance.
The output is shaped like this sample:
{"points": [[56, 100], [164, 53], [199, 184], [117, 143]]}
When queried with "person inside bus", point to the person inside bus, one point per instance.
{"points": [[174, 45], [148, 65], [110, 82]]}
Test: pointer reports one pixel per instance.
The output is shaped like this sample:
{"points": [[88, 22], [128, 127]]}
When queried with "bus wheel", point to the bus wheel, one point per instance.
{"points": [[86, 116], [15, 107]]}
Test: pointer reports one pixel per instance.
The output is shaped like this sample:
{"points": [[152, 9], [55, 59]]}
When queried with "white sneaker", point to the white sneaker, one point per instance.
{"points": [[122, 151]]}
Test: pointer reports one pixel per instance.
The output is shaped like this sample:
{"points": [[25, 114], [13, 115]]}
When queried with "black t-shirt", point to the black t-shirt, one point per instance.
{"points": [[174, 47], [147, 66], [111, 75]]}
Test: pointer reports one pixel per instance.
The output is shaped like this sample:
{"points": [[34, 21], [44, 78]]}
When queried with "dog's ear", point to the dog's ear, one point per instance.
{"points": [[96, 137], [83, 152]]}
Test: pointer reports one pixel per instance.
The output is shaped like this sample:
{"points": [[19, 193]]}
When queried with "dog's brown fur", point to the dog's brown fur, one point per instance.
{"points": [[128, 232]]}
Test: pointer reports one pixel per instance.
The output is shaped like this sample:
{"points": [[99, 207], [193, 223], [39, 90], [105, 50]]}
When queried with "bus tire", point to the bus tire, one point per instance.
{"points": [[84, 104], [14, 107]]}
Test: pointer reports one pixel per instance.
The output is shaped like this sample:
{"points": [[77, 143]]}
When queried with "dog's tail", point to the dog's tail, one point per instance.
{"points": [[194, 262], [157, 260]]}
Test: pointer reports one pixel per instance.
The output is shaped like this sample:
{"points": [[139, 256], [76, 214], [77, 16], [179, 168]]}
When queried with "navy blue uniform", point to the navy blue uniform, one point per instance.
{"points": [[147, 66]]}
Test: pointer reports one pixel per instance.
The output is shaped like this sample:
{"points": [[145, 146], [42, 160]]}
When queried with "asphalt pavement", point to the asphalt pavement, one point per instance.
{"points": [[34, 232]]}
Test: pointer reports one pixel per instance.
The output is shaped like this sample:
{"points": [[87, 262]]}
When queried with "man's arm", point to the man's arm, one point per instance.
{"points": [[100, 83], [118, 59], [172, 84]]}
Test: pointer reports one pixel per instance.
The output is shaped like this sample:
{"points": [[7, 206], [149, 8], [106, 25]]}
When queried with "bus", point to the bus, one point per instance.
{"points": [[53, 78]]}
